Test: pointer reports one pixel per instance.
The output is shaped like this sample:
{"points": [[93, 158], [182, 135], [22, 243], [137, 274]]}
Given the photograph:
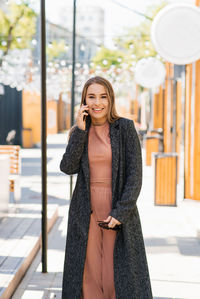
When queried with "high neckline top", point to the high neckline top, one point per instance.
{"points": [[100, 126], [100, 154]]}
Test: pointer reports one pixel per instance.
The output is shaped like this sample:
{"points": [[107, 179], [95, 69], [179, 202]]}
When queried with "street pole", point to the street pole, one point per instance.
{"points": [[174, 121], [43, 135], [73, 78]]}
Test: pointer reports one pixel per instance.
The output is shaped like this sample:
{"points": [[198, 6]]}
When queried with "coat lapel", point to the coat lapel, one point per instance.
{"points": [[114, 139], [85, 160]]}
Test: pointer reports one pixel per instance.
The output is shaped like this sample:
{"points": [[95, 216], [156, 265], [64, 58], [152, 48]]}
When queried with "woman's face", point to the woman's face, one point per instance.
{"points": [[98, 102]]}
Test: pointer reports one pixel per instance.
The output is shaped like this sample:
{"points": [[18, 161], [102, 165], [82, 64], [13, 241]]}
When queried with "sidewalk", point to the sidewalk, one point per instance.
{"points": [[20, 229], [172, 245], [173, 249]]}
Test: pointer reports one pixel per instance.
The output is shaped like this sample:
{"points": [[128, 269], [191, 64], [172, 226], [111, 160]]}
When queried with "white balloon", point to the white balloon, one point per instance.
{"points": [[149, 72], [175, 33]]}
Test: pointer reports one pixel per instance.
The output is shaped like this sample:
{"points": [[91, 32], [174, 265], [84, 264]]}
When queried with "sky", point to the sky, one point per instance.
{"points": [[116, 17]]}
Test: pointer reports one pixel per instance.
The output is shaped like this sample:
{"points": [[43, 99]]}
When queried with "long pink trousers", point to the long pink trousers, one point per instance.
{"points": [[98, 277]]}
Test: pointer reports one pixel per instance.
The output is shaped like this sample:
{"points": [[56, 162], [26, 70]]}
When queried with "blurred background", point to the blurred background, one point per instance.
{"points": [[111, 39], [155, 86]]}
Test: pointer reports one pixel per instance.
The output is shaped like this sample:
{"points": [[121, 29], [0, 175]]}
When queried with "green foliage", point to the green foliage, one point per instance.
{"points": [[17, 26], [56, 49], [134, 45], [106, 57], [153, 10], [137, 42]]}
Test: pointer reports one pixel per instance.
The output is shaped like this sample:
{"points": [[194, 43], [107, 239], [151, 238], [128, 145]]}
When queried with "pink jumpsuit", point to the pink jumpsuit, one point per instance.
{"points": [[98, 277]]}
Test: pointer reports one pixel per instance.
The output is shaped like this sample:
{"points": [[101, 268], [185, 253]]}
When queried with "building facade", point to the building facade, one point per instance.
{"points": [[90, 22]]}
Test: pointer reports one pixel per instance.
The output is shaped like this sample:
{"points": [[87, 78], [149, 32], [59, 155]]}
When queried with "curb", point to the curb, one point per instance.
{"points": [[21, 271]]}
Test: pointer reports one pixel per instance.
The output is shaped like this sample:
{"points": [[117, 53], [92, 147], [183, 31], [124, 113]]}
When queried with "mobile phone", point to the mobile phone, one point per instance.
{"points": [[84, 117], [104, 225]]}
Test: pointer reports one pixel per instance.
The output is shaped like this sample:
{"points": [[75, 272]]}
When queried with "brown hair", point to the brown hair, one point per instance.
{"points": [[112, 113]]}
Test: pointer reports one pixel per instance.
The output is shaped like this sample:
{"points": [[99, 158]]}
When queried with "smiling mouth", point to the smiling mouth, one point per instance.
{"points": [[97, 109]]}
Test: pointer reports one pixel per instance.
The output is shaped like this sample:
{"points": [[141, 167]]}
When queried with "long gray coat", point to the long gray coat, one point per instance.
{"points": [[131, 273]]}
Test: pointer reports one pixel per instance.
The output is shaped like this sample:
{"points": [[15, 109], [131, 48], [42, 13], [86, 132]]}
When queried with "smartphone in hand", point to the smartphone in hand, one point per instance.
{"points": [[84, 117], [104, 225]]}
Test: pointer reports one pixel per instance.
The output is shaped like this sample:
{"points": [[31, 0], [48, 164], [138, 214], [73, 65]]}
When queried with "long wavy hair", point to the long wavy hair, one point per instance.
{"points": [[112, 112]]}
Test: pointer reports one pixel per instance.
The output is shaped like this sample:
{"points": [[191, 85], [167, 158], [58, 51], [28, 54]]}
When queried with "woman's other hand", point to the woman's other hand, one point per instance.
{"points": [[112, 221], [80, 116]]}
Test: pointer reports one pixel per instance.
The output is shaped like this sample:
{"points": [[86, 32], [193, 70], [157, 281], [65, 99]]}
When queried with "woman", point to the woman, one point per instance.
{"points": [[104, 150]]}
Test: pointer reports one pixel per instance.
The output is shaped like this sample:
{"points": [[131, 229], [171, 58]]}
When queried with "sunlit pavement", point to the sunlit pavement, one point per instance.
{"points": [[172, 245], [170, 233]]}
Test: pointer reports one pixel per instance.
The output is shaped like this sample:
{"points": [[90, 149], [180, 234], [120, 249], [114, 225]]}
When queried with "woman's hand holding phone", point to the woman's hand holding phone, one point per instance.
{"points": [[81, 116]]}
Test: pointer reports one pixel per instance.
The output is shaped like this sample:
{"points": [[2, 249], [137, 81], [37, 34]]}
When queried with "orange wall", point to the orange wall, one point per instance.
{"points": [[31, 115], [52, 124]]}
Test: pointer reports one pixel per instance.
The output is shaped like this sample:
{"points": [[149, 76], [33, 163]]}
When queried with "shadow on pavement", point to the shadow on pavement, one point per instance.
{"points": [[184, 245]]}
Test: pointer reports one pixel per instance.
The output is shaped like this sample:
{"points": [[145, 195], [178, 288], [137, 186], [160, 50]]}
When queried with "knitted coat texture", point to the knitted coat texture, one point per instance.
{"points": [[131, 274]]}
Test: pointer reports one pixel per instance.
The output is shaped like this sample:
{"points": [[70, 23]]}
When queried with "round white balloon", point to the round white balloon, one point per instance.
{"points": [[175, 33], [149, 72]]}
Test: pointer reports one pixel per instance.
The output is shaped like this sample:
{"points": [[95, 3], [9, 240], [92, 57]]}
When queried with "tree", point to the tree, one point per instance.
{"points": [[17, 27], [137, 43], [106, 57], [133, 46], [56, 49]]}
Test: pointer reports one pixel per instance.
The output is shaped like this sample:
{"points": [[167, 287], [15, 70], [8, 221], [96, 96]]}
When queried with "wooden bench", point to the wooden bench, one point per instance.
{"points": [[15, 168]]}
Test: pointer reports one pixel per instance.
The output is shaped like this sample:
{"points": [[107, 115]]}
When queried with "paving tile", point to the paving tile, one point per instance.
{"points": [[170, 235]]}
